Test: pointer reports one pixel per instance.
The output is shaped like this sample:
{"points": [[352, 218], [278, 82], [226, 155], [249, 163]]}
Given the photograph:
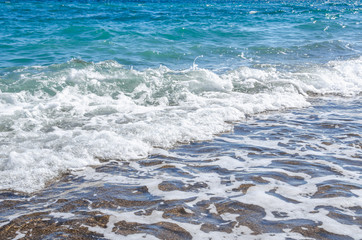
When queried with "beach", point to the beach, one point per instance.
{"points": [[180, 120], [236, 186]]}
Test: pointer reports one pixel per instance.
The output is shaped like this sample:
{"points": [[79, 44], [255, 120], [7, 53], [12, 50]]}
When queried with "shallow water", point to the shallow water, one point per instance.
{"points": [[180, 119], [294, 174], [87, 81], [173, 33]]}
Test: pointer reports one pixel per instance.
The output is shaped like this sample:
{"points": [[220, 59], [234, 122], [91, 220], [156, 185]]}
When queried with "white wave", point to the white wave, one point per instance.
{"points": [[75, 115]]}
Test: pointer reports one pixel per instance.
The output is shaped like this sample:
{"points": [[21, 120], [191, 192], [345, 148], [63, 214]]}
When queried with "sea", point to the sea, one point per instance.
{"points": [[181, 119]]}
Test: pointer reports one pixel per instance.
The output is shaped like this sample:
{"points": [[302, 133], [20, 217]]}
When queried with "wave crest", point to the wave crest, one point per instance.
{"points": [[65, 116]]}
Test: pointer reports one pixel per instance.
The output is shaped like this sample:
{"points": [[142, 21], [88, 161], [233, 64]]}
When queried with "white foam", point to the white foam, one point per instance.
{"points": [[61, 215], [103, 111]]}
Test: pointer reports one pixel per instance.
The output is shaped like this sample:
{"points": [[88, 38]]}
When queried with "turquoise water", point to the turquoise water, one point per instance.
{"points": [[180, 119], [87, 80], [145, 34]]}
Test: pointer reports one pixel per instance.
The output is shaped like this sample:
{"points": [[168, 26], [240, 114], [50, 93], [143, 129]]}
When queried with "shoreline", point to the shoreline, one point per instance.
{"points": [[248, 183]]}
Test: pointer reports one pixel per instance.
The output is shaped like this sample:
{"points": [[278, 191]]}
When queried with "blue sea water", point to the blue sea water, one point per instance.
{"points": [[143, 34], [93, 83]]}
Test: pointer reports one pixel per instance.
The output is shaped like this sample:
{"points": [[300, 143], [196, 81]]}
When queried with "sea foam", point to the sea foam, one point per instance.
{"points": [[62, 117]]}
